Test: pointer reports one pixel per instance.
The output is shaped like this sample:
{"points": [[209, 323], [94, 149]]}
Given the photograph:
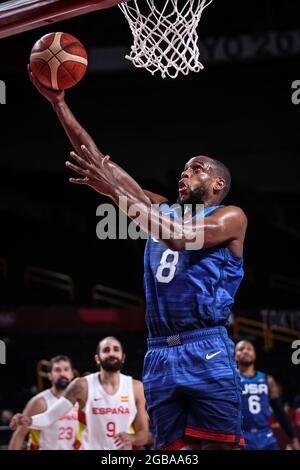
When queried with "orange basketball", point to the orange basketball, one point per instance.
{"points": [[58, 61]]}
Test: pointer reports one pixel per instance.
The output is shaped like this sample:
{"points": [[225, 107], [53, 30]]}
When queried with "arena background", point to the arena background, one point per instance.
{"points": [[238, 110]]}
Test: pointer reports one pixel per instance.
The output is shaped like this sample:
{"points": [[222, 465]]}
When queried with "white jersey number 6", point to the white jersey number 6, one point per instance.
{"points": [[166, 270], [254, 404]]}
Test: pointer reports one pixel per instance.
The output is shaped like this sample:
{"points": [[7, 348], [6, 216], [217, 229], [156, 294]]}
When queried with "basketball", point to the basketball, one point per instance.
{"points": [[58, 61]]}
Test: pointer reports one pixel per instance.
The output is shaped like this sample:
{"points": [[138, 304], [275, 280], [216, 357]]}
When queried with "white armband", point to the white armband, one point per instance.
{"points": [[58, 410]]}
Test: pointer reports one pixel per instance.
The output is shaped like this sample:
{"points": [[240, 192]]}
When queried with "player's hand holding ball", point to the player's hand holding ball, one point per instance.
{"points": [[57, 61]]}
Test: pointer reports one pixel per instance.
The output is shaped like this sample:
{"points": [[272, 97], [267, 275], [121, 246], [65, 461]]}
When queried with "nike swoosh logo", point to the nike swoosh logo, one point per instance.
{"points": [[97, 399], [270, 434], [210, 356]]}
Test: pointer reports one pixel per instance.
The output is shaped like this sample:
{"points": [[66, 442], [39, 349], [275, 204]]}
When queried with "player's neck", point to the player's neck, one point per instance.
{"points": [[209, 200], [248, 371], [110, 381], [211, 203], [196, 209], [57, 393]]}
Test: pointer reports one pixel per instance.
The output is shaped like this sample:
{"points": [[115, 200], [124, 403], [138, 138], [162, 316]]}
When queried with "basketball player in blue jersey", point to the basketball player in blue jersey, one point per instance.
{"points": [[259, 393], [190, 377]]}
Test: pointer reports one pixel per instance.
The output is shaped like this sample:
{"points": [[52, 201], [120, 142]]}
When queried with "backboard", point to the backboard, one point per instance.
{"points": [[17, 16]]}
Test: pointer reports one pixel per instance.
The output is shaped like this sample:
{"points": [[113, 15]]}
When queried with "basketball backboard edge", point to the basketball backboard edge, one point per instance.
{"points": [[18, 16]]}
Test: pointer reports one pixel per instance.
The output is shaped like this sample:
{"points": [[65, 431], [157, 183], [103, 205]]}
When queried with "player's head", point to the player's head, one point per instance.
{"points": [[245, 354], [60, 371], [109, 354], [6, 417], [203, 179]]}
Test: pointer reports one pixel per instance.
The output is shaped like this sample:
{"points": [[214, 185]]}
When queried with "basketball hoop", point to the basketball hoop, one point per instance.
{"points": [[165, 35]]}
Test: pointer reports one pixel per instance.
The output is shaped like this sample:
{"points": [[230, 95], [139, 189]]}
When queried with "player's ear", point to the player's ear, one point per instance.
{"points": [[123, 357], [97, 359], [219, 184]]}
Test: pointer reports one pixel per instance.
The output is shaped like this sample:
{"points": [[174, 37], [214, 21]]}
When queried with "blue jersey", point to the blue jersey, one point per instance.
{"points": [[189, 289], [255, 402]]}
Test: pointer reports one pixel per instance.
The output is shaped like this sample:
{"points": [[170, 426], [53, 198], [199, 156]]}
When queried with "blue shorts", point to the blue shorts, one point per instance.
{"points": [[192, 388], [263, 439]]}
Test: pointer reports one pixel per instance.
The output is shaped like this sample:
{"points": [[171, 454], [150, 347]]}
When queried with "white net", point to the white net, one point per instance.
{"points": [[165, 35]]}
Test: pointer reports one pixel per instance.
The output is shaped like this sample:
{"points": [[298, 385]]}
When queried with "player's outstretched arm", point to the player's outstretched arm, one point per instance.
{"points": [[35, 406], [76, 133], [105, 177], [155, 198], [76, 392]]}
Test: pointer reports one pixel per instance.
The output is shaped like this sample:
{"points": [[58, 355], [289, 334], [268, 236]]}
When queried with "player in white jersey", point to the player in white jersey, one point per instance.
{"points": [[112, 412], [61, 435]]}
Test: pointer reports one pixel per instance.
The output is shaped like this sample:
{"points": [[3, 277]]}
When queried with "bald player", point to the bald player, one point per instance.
{"points": [[111, 405], [193, 269], [260, 391]]}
